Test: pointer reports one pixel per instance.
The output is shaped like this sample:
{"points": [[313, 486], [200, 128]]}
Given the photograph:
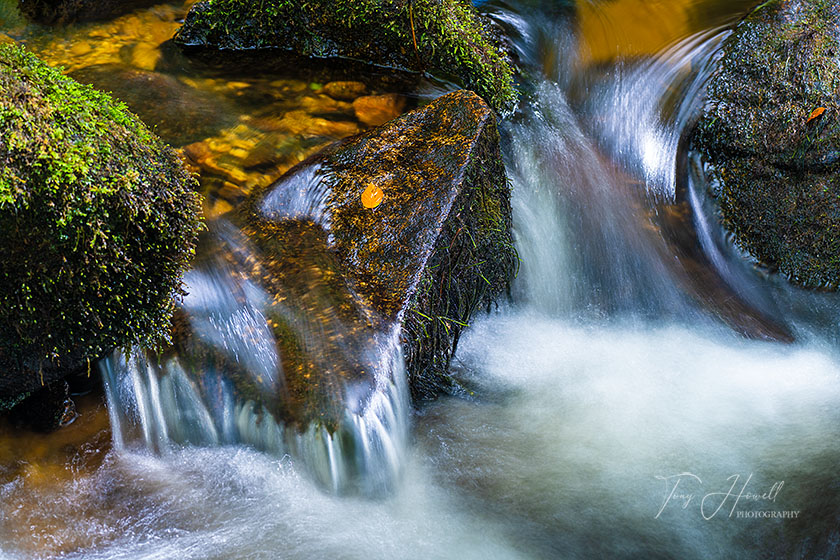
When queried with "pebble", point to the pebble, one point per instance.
{"points": [[374, 110], [345, 91]]}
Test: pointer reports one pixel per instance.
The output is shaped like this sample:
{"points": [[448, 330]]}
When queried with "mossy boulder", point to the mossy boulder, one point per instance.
{"points": [[447, 38], [98, 220], [68, 11], [339, 279], [770, 131]]}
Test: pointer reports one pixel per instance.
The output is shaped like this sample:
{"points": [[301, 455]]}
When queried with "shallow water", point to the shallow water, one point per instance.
{"points": [[612, 410]]}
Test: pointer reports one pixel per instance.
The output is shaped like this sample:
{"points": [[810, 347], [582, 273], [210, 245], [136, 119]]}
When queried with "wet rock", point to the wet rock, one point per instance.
{"points": [[338, 280], [445, 37], [178, 113], [69, 11], [46, 410], [345, 90], [771, 134], [98, 220], [374, 110]]}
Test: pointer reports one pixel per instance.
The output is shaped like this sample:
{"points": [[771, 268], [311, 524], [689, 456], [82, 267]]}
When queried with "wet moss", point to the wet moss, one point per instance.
{"points": [[444, 37], [98, 220], [774, 168], [471, 268]]}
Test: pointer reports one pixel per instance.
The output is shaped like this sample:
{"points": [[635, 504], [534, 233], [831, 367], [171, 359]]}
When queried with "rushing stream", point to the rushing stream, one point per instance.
{"points": [[637, 399]]}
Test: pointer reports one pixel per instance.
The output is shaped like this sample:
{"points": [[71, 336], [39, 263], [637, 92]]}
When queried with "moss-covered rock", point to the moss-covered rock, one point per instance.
{"points": [[340, 278], [771, 132], [444, 37], [67, 11], [98, 220]]}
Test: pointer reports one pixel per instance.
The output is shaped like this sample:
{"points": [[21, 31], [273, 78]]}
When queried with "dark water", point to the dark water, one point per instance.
{"points": [[619, 408]]}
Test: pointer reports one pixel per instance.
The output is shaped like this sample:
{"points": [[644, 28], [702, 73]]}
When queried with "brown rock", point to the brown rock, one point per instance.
{"points": [[374, 110], [345, 91]]}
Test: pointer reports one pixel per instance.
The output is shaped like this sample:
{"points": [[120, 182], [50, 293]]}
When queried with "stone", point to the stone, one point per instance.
{"points": [[98, 221], [773, 162], [339, 278], [374, 110], [69, 11], [345, 90], [176, 112]]}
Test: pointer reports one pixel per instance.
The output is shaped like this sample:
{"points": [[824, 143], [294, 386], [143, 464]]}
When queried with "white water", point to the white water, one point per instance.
{"points": [[164, 403], [603, 379]]}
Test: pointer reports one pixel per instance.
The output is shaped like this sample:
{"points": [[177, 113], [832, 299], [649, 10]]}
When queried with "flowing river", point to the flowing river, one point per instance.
{"points": [[640, 397]]}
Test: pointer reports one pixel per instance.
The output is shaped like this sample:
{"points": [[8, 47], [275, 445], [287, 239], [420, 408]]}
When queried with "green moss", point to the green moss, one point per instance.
{"points": [[98, 220], [471, 269], [775, 170], [444, 37]]}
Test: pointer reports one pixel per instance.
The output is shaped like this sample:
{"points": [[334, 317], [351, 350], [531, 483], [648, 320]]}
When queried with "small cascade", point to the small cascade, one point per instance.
{"points": [[163, 406], [223, 382]]}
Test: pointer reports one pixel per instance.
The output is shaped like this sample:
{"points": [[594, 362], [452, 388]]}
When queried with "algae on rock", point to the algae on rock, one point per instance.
{"points": [[98, 220], [774, 168], [444, 37]]}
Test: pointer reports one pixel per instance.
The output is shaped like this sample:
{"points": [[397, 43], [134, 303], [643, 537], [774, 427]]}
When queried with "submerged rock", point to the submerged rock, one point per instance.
{"points": [[69, 11], [98, 220], [771, 132], [445, 37], [176, 112], [290, 336]]}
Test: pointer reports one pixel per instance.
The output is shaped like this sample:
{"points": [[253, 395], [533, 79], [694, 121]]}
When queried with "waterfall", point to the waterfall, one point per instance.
{"points": [[239, 393]]}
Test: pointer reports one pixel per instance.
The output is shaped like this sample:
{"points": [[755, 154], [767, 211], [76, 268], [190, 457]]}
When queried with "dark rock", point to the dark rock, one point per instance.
{"points": [[98, 220], [339, 278], [69, 11], [345, 90], [773, 166], [46, 410], [176, 112], [444, 37]]}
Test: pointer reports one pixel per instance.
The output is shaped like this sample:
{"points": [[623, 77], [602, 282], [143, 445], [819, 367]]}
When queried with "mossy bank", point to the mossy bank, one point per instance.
{"points": [[771, 132], [98, 220], [446, 38]]}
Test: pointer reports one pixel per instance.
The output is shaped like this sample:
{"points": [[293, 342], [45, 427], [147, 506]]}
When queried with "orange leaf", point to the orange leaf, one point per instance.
{"points": [[372, 197], [815, 113]]}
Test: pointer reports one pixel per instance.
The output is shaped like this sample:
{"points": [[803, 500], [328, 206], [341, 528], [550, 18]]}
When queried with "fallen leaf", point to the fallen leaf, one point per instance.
{"points": [[372, 197], [815, 113]]}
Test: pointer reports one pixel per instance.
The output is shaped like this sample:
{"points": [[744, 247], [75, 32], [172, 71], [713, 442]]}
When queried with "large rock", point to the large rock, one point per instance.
{"points": [[98, 220], [771, 132], [435, 250], [444, 37], [341, 277], [297, 306]]}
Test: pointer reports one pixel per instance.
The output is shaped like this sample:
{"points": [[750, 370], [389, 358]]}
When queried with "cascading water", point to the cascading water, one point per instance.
{"points": [[181, 398], [615, 411]]}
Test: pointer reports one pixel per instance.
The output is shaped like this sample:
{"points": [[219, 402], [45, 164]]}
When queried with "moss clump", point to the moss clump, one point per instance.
{"points": [[98, 220], [471, 268], [775, 168], [444, 37]]}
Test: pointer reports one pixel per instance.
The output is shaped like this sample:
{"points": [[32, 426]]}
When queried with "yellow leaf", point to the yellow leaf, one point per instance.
{"points": [[372, 197], [815, 113]]}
